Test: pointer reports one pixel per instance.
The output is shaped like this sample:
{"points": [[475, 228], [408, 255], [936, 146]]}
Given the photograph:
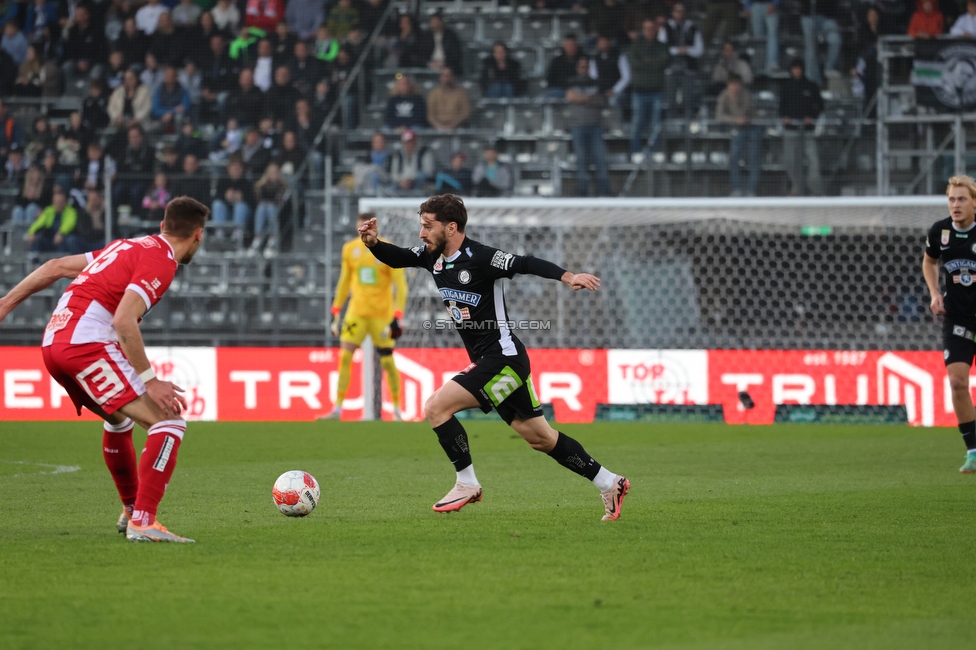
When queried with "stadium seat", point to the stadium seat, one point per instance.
{"points": [[529, 118], [536, 29]]}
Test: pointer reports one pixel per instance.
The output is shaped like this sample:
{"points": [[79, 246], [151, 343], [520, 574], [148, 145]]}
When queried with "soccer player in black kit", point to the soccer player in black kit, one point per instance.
{"points": [[953, 241], [469, 277]]}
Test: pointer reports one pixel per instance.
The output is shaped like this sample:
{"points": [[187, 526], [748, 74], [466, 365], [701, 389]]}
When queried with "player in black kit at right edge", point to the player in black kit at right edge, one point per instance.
{"points": [[953, 241], [469, 277]]}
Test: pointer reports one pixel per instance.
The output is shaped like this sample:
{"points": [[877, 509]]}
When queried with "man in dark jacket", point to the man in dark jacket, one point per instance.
{"points": [[247, 102], [134, 169], [586, 104], [219, 76], [683, 38], [84, 52], [562, 68], [686, 46], [610, 68], [233, 202], [800, 104], [192, 183], [282, 97], [305, 70], [441, 47], [648, 58]]}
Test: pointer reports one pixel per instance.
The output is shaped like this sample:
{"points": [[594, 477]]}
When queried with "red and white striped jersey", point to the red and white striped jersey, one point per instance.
{"points": [[84, 314]]}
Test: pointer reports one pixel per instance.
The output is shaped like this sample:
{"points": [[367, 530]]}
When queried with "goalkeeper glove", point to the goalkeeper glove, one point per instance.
{"points": [[395, 330], [336, 321]]}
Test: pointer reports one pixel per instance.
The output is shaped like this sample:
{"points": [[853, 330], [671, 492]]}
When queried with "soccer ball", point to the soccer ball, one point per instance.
{"points": [[296, 493]]}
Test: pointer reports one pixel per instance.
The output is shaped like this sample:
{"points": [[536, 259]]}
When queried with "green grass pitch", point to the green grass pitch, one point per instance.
{"points": [[732, 537]]}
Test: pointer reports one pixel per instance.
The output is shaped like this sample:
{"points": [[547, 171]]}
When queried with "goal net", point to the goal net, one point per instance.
{"points": [[832, 273]]}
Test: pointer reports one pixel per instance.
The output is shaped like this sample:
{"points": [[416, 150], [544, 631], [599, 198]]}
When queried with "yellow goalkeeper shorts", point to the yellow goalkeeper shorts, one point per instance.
{"points": [[355, 329]]}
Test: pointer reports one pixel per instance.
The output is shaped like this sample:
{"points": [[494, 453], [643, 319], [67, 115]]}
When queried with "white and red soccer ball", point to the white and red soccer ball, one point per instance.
{"points": [[296, 493]]}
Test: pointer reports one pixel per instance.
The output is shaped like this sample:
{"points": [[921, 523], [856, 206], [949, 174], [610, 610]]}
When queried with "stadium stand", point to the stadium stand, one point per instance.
{"points": [[227, 74]]}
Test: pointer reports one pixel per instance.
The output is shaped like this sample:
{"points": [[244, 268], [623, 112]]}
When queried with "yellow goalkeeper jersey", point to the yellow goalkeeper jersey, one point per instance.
{"points": [[369, 284]]}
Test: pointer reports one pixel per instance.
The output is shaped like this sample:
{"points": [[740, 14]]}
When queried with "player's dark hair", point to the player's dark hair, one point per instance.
{"points": [[366, 216], [447, 208], [183, 216]]}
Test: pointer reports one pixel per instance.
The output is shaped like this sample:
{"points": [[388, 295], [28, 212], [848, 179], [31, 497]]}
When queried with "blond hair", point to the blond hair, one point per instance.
{"points": [[963, 181]]}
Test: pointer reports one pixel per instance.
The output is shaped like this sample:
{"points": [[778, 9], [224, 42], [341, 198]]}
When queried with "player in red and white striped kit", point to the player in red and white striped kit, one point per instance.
{"points": [[92, 346]]}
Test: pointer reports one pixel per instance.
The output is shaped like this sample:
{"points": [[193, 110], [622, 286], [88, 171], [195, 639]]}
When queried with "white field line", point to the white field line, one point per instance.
{"points": [[55, 469]]}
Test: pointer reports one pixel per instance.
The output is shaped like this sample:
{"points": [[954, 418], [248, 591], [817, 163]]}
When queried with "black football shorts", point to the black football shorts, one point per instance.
{"points": [[504, 384], [957, 342]]}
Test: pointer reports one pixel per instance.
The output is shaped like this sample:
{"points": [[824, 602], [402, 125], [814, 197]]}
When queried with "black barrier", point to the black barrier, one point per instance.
{"points": [[844, 414], [660, 413]]}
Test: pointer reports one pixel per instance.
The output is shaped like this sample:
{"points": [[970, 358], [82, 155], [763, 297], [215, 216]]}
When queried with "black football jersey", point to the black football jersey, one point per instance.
{"points": [[957, 251], [470, 284]]}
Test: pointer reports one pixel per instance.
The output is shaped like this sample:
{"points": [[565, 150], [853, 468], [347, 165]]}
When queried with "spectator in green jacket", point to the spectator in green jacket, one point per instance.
{"points": [[243, 49], [53, 226]]}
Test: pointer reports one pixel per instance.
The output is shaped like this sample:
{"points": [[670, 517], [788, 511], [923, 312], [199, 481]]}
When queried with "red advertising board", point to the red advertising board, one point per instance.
{"points": [[29, 393], [574, 381], [280, 384], [915, 379], [270, 384], [267, 384]]}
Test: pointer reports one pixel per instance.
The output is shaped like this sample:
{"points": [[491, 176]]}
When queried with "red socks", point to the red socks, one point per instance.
{"points": [[120, 458], [156, 467]]}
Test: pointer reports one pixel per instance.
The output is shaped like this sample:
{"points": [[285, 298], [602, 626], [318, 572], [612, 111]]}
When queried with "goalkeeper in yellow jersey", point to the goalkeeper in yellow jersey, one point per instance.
{"points": [[370, 286]]}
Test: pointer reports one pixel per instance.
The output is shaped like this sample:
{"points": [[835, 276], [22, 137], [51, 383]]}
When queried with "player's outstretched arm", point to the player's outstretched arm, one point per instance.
{"points": [[511, 264], [126, 324], [41, 278]]}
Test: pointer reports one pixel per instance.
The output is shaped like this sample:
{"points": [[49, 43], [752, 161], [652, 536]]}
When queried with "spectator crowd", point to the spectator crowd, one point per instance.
{"points": [[240, 88]]}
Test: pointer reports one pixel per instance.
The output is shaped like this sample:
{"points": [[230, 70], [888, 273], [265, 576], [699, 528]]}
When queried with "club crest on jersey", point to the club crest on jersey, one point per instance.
{"points": [[438, 265], [945, 237], [466, 297], [147, 242], [458, 313], [464, 277], [973, 248]]}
